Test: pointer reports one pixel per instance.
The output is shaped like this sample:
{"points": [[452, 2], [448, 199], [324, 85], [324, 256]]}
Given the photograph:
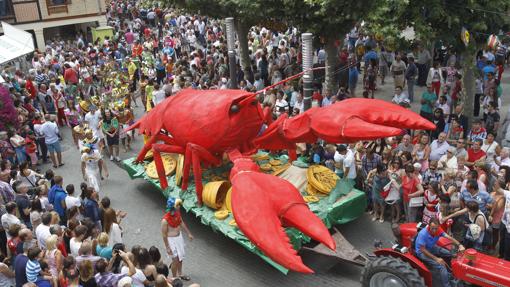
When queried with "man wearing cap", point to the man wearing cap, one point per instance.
{"points": [[171, 225]]}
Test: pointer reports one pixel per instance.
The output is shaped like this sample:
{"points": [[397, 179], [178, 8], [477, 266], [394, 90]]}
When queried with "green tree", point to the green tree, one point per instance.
{"points": [[328, 20], [443, 20]]}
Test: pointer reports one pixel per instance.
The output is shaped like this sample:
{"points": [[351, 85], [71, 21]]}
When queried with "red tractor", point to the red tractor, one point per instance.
{"points": [[398, 266]]}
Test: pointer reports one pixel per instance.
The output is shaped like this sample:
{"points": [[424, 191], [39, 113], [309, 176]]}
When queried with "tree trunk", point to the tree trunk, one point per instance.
{"points": [[468, 66], [242, 34], [331, 79]]}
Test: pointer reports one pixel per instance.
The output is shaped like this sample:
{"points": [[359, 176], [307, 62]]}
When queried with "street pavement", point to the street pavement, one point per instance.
{"points": [[212, 260]]}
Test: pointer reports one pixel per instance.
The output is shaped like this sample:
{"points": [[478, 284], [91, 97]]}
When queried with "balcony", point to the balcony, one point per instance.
{"points": [[57, 6]]}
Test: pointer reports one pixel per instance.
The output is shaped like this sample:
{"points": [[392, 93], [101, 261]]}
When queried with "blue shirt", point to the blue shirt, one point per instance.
{"points": [[105, 252], [60, 197], [482, 198], [424, 238], [53, 191], [20, 266], [370, 55], [353, 76], [91, 210]]}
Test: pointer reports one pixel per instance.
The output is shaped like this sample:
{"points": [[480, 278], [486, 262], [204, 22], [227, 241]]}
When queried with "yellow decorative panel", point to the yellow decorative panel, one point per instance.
{"points": [[26, 12]]}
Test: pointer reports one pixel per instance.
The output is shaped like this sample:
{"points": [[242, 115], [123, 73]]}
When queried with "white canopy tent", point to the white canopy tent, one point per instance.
{"points": [[14, 43]]}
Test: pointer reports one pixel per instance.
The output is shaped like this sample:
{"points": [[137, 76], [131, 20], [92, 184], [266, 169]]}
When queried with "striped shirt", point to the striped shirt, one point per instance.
{"points": [[108, 279], [480, 134], [33, 269]]}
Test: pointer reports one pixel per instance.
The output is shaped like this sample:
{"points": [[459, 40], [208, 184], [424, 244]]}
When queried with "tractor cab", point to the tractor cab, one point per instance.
{"points": [[399, 266]]}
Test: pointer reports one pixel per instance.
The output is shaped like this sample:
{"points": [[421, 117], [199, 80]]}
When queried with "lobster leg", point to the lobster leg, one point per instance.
{"points": [[152, 140], [158, 149], [194, 154]]}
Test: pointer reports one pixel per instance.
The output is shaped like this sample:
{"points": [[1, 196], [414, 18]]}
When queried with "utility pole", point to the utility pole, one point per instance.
{"points": [[231, 40], [307, 49]]}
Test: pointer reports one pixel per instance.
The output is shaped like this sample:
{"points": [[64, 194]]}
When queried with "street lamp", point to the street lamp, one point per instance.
{"points": [[306, 40], [231, 40]]}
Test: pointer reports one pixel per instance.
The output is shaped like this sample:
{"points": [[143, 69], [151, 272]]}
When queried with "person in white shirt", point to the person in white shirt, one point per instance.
{"points": [[92, 165], [504, 158], [442, 103], [449, 160], [42, 232], [71, 200], [349, 162], [10, 218], [400, 97], [300, 103], [439, 147], [52, 139], [158, 95], [281, 106], [93, 118]]}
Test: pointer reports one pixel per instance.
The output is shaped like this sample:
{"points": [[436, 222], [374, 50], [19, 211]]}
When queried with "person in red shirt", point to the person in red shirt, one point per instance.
{"points": [[317, 97], [475, 154], [29, 85], [411, 187], [60, 104], [147, 32], [31, 147], [70, 75], [137, 49]]}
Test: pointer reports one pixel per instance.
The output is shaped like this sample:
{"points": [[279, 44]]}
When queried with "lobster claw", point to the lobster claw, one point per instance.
{"points": [[262, 204], [343, 122]]}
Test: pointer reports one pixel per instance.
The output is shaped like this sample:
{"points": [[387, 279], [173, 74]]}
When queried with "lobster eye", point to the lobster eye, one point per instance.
{"points": [[234, 108]]}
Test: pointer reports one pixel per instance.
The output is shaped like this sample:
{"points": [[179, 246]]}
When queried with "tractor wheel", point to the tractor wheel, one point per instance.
{"points": [[387, 271]]}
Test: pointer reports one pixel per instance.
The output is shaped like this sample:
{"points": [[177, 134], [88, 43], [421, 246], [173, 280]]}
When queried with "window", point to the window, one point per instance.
{"points": [[57, 2], [57, 6], [6, 9]]}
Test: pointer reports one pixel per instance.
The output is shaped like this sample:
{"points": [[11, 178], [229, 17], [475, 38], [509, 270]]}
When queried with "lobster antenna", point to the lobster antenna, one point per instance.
{"points": [[288, 79]]}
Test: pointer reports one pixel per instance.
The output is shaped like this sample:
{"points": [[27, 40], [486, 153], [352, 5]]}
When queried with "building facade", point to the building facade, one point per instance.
{"points": [[49, 19]]}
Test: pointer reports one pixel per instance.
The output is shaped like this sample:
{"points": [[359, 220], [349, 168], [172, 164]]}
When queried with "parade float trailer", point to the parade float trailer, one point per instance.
{"points": [[224, 129], [342, 205]]}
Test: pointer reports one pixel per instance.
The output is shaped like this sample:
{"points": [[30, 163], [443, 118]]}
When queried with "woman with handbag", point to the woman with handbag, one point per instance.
{"points": [[412, 192], [28, 176]]}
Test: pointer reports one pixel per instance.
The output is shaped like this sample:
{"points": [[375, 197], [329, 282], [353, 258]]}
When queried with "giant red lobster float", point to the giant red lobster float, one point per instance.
{"points": [[205, 125]]}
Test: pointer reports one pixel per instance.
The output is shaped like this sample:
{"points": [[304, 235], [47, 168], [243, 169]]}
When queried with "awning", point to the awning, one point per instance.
{"points": [[14, 43]]}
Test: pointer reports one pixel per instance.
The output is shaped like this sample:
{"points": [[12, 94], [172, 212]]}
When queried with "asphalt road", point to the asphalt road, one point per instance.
{"points": [[212, 259]]}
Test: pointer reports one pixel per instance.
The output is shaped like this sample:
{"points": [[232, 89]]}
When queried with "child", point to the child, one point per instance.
{"points": [[31, 147], [34, 271], [47, 280]]}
